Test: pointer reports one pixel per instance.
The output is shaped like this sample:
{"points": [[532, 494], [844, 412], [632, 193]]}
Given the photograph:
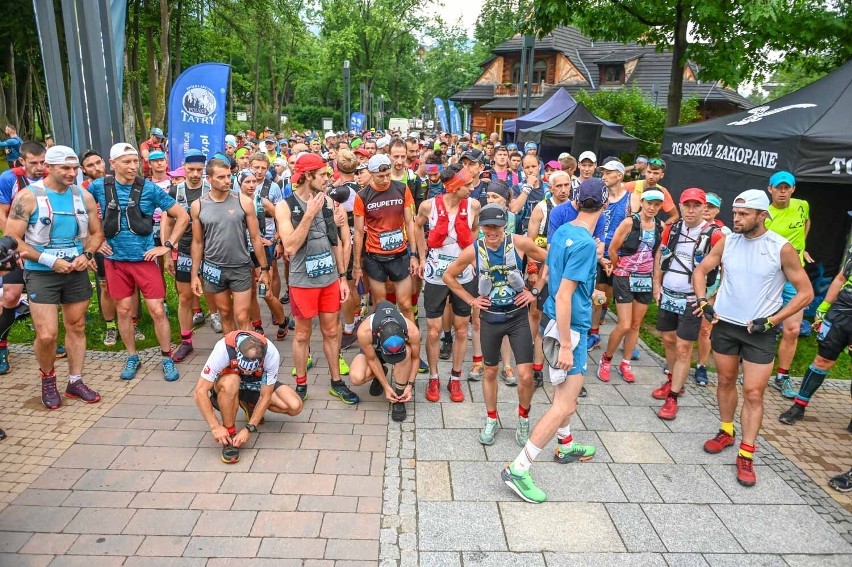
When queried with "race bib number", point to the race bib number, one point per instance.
{"points": [[319, 264], [184, 263], [673, 302], [439, 264], [824, 328], [641, 284], [391, 240], [68, 253], [211, 272]]}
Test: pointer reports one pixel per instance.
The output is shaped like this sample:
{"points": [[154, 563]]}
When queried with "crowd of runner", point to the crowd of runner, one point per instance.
{"points": [[523, 257]]}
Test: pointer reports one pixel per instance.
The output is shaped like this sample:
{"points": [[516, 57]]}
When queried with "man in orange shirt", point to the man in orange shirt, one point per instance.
{"points": [[654, 172], [384, 210]]}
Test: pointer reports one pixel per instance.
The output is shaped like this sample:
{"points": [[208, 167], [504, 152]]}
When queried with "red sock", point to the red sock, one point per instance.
{"points": [[186, 336], [257, 324], [669, 376], [565, 440], [594, 331], [300, 380], [232, 430], [538, 367], [492, 414], [783, 370], [477, 359], [195, 311], [803, 403], [522, 411]]}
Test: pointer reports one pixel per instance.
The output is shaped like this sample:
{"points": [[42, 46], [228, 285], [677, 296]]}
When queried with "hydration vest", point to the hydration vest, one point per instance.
{"points": [[180, 193], [41, 233], [231, 348], [702, 246], [137, 222], [264, 194], [438, 233], [634, 237], [541, 239], [296, 214]]}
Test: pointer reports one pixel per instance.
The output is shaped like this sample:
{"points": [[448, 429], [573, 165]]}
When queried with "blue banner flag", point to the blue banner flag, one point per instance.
{"points": [[197, 111], [356, 121], [455, 119], [441, 112]]}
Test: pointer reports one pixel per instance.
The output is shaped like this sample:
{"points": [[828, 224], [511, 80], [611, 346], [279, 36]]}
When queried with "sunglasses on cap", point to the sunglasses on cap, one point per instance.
{"points": [[383, 168], [657, 161]]}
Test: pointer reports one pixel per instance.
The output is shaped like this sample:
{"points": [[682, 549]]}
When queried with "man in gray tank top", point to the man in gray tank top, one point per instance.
{"points": [[219, 248]]}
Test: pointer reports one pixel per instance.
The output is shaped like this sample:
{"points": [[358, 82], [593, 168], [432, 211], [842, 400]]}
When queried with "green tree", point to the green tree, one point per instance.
{"points": [[450, 64], [498, 21]]}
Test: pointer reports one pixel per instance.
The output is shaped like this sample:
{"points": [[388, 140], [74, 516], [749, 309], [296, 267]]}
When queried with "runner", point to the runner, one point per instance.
{"points": [[634, 251], [343, 192], [242, 372], [51, 220], [502, 171], [154, 142], [387, 338], [685, 244], [748, 309], [791, 219], [12, 146], [220, 222], [654, 172], [531, 192], [317, 246], [452, 225], [571, 262], [502, 300], [127, 204]]}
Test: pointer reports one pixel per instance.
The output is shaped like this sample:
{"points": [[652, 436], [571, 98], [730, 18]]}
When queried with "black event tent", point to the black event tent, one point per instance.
{"points": [[559, 132], [558, 105], [807, 132]]}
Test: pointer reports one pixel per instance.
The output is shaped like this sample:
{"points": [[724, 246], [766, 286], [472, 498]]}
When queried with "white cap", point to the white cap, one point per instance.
{"points": [[612, 165], [563, 155], [382, 142], [589, 156], [122, 149], [329, 134], [61, 155], [752, 199], [377, 161], [279, 161], [653, 195]]}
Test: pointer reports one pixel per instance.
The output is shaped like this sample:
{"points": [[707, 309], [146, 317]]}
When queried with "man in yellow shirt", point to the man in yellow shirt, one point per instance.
{"points": [[790, 218]]}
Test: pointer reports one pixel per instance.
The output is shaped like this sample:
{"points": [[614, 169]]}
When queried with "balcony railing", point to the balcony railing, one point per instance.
{"points": [[512, 89]]}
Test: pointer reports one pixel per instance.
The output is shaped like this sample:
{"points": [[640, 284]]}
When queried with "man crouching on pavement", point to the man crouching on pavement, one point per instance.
{"points": [[242, 371]]}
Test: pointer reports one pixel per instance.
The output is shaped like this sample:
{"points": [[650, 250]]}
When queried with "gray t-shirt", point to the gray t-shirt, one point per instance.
{"points": [[224, 231], [314, 264]]}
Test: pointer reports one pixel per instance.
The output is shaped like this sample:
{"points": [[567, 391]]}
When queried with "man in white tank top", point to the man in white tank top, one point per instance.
{"points": [[757, 263]]}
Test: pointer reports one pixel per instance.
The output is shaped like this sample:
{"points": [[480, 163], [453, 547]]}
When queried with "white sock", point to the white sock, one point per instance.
{"points": [[74, 378], [433, 376], [523, 461], [348, 327]]}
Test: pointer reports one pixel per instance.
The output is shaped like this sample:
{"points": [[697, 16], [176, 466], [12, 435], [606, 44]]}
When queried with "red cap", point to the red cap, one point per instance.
{"points": [[306, 162], [362, 152], [693, 194]]}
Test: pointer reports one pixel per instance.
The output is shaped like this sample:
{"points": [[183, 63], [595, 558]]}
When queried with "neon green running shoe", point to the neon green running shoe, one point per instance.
{"points": [[309, 365], [577, 452], [343, 367], [522, 485]]}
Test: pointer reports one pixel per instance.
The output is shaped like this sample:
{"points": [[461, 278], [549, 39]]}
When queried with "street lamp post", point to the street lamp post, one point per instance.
{"points": [[381, 112], [346, 94]]}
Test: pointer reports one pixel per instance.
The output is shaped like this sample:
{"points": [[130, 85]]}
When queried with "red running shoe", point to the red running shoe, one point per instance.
{"points": [[456, 393], [718, 443], [433, 390], [745, 471], [662, 392], [604, 369], [626, 372], [669, 409]]}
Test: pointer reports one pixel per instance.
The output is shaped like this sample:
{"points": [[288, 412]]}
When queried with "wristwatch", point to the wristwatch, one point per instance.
{"points": [[89, 255], [535, 291], [265, 268], [526, 189], [251, 427], [168, 244]]}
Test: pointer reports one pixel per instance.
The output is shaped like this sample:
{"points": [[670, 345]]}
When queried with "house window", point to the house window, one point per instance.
{"points": [[540, 71], [612, 74], [516, 73]]}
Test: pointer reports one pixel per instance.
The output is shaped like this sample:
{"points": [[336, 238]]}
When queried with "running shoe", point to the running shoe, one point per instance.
{"points": [[626, 372], [215, 322], [80, 391], [577, 452], [170, 371], [137, 334], [635, 354], [342, 391], [309, 366], [342, 367], [131, 367], [593, 342], [669, 409], [2, 434], [302, 390], [745, 471], [788, 390], [604, 369], [348, 340], [230, 454], [538, 378], [523, 485], [508, 376], [259, 331], [61, 352], [5, 367], [718, 443], [446, 349], [423, 368], [792, 415], [292, 324], [285, 297], [376, 388], [433, 390], [701, 375], [662, 392], [583, 392], [842, 482], [476, 371], [398, 412], [110, 337], [49, 395], [522, 433], [183, 350], [456, 393], [198, 319], [486, 436]]}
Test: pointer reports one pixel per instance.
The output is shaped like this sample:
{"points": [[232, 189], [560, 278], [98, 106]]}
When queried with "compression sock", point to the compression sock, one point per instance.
{"points": [[727, 427], [747, 450], [813, 379], [523, 412], [232, 430], [7, 319], [186, 336], [538, 367], [523, 461], [564, 438]]}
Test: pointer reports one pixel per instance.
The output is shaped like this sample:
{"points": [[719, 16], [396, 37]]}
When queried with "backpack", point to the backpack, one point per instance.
{"points": [[296, 214], [138, 223], [634, 237], [264, 194], [702, 247], [231, 348]]}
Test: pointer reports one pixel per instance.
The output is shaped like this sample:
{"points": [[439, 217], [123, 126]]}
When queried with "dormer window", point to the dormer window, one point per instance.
{"points": [[612, 73], [540, 71]]}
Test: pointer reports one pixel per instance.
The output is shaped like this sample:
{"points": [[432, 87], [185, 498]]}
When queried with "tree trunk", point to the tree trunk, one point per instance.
{"points": [[675, 97], [4, 117], [151, 55], [256, 85], [176, 59], [165, 60], [12, 92], [131, 77], [26, 127]]}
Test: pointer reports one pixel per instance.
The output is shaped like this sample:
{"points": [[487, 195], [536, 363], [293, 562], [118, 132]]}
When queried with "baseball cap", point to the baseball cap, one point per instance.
{"points": [[391, 341], [179, 172], [362, 152], [329, 134], [122, 149], [530, 146], [377, 161], [780, 177], [563, 155], [361, 167], [589, 156], [157, 132], [306, 162], [613, 165], [61, 155], [492, 215], [594, 189], [652, 195], [230, 140], [752, 199], [715, 200], [512, 147], [279, 161], [156, 154], [473, 155], [554, 164], [193, 155], [382, 142], [693, 194]]}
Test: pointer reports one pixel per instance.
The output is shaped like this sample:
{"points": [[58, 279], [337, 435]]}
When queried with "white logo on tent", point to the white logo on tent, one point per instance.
{"points": [[761, 112]]}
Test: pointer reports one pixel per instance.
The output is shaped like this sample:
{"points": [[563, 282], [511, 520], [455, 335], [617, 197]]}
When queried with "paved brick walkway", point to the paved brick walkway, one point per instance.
{"points": [[136, 480]]}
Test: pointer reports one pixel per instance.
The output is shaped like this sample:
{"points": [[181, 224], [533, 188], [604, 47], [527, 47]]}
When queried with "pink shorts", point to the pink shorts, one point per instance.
{"points": [[123, 278], [307, 302]]}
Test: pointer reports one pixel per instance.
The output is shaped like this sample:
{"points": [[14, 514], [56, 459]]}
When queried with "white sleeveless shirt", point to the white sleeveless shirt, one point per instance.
{"points": [[439, 259], [752, 278]]}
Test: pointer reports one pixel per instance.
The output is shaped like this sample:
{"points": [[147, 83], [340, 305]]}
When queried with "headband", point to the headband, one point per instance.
{"points": [[457, 181]]}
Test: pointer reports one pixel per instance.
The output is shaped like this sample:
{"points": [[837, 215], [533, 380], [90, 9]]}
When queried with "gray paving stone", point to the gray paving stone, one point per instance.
{"points": [[593, 418], [117, 481], [265, 502], [222, 547], [691, 528], [433, 482], [770, 489], [684, 484], [727, 560], [248, 483], [173, 412], [255, 562], [286, 483], [100, 521], [318, 503], [224, 523], [86, 561], [604, 560], [688, 448], [460, 526], [499, 559], [287, 524], [10, 542], [107, 544], [296, 548], [468, 415], [26, 560], [213, 502], [636, 531], [163, 546], [56, 478], [767, 529], [162, 522], [162, 500], [98, 499], [440, 559], [687, 559], [114, 436], [818, 560], [285, 461], [278, 440], [153, 459], [175, 438], [634, 418], [16, 518], [41, 497], [633, 447], [350, 526], [165, 562], [53, 544], [589, 524], [428, 415], [188, 482], [601, 394], [693, 419], [358, 486], [343, 462], [635, 484], [356, 550], [448, 445], [88, 456]]}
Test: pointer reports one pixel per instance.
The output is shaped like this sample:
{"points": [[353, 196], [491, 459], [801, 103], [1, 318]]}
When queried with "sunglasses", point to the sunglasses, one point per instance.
{"points": [[383, 168], [656, 161]]}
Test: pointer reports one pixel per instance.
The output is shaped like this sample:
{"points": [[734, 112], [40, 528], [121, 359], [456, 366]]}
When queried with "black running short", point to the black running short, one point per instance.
{"points": [[621, 292], [435, 299], [729, 339], [686, 326], [16, 276], [517, 328], [835, 335], [382, 268], [602, 278], [51, 288]]}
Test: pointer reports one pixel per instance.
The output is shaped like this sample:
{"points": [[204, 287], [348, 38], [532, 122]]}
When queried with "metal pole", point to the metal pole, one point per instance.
{"points": [[382, 112], [522, 73], [529, 46], [52, 58], [346, 94]]}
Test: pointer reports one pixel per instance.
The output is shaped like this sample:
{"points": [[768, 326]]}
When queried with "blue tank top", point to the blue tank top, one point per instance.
{"points": [[63, 230], [614, 214]]}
